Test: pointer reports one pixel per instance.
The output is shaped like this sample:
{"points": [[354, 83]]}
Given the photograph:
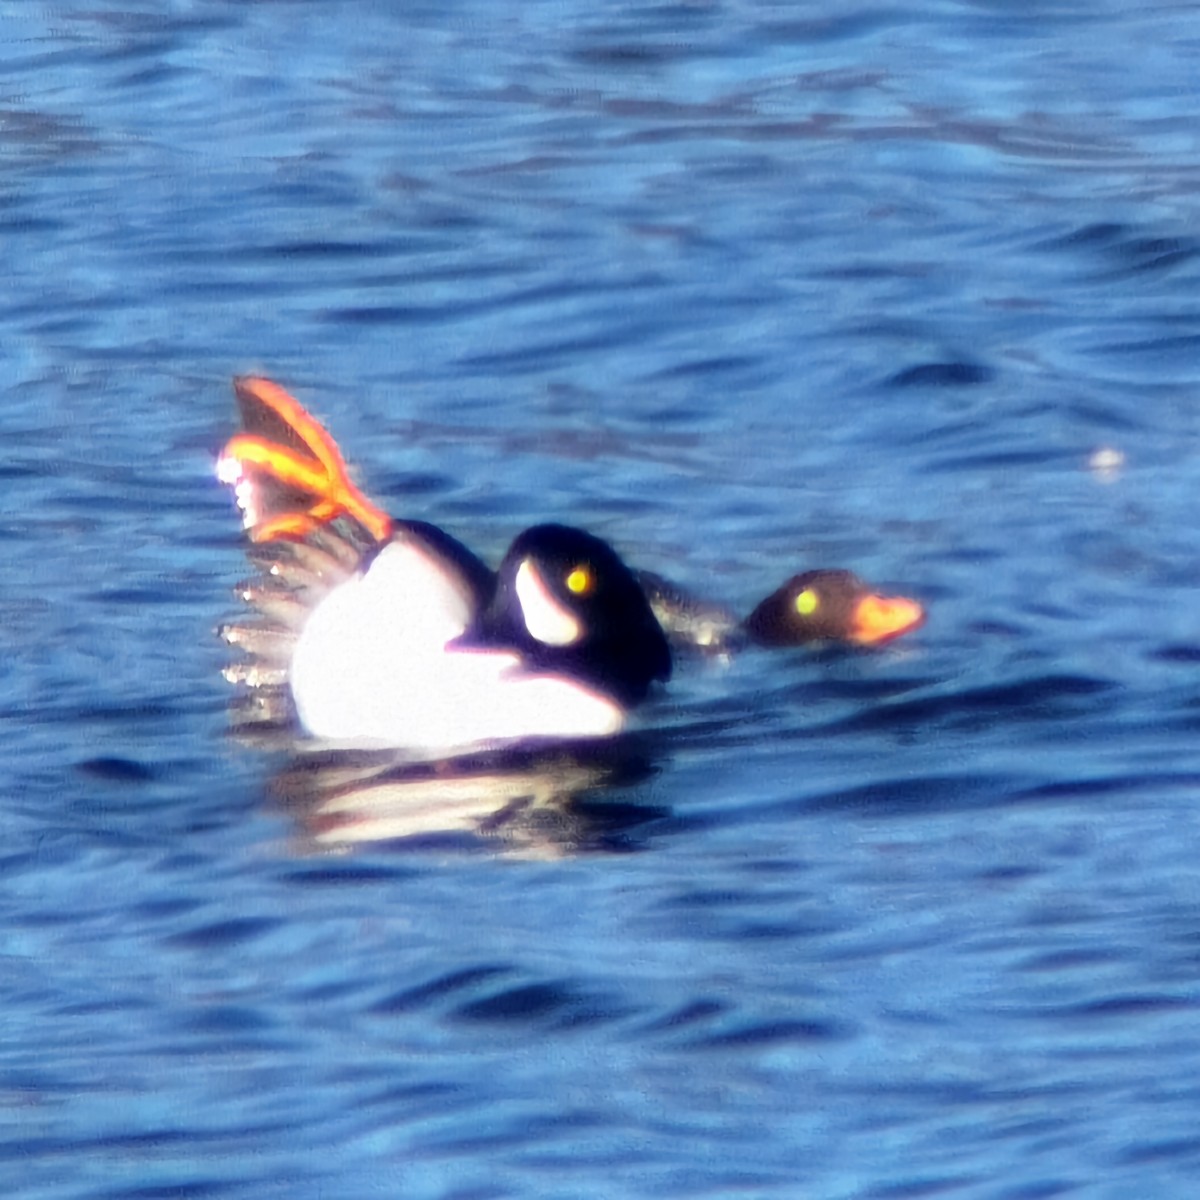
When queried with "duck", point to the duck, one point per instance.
{"points": [[825, 605], [355, 607], [389, 632]]}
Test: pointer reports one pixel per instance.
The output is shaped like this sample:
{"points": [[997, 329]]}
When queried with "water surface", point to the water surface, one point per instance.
{"points": [[743, 288]]}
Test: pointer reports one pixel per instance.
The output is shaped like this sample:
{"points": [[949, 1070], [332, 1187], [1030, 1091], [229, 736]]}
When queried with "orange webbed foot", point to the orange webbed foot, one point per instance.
{"points": [[287, 473]]}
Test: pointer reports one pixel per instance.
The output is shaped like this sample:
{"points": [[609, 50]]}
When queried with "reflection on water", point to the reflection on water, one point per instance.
{"points": [[535, 804]]}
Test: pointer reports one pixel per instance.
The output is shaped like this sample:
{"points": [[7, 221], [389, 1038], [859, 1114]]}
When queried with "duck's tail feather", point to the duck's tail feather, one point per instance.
{"points": [[293, 577]]}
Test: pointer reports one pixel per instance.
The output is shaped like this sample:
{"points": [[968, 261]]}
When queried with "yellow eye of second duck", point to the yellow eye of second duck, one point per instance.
{"points": [[807, 602], [580, 581]]}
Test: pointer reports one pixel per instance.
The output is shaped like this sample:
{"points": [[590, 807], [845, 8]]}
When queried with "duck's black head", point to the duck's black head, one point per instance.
{"points": [[568, 603]]}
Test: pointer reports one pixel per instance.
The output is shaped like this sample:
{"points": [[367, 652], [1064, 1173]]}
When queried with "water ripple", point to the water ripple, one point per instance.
{"points": [[745, 289]]}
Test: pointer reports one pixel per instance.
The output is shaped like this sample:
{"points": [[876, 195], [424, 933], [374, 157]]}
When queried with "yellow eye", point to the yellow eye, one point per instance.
{"points": [[580, 581], [807, 602]]}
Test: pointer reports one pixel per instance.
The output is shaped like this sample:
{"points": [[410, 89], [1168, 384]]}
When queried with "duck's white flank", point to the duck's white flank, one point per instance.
{"points": [[373, 666]]}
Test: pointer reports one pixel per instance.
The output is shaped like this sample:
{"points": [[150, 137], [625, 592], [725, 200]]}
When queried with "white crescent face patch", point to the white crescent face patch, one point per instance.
{"points": [[546, 618]]}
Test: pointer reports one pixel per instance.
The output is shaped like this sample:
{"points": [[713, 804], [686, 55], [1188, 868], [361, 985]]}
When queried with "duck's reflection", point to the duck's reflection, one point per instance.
{"points": [[534, 803]]}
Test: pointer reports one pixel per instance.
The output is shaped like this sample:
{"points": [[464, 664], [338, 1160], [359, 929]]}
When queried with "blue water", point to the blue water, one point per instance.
{"points": [[744, 287]]}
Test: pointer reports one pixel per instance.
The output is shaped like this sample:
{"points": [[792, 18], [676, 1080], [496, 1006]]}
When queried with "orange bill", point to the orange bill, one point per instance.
{"points": [[286, 471], [879, 619]]}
